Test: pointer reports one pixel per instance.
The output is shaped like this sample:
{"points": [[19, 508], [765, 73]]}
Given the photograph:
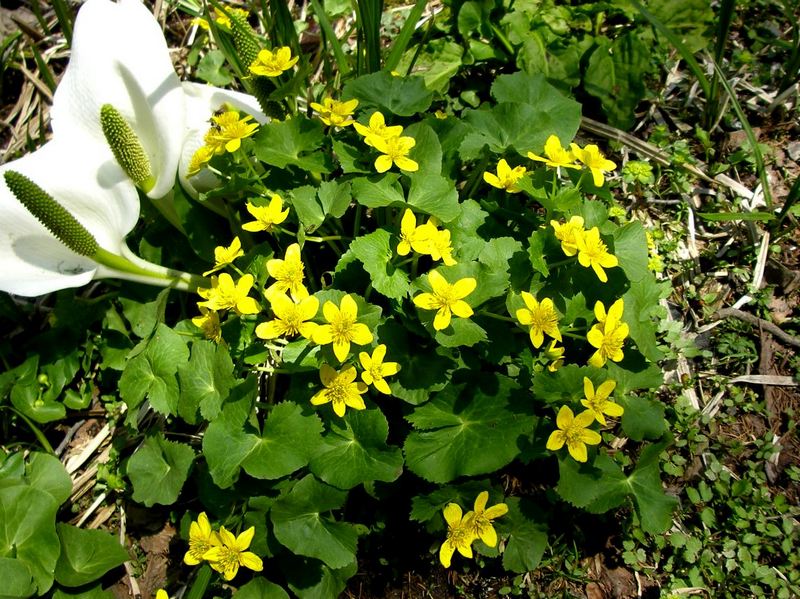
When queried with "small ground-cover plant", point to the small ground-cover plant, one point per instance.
{"points": [[396, 297]]}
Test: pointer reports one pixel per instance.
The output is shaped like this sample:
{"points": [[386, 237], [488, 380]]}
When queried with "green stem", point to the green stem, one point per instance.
{"points": [[200, 583], [133, 268], [496, 316], [36, 431], [569, 260]]}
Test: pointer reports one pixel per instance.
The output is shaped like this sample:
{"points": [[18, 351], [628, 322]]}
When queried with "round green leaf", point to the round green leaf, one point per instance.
{"points": [[158, 470], [86, 555]]}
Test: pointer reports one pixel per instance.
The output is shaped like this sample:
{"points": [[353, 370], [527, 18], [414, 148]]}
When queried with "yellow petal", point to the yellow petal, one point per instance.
{"points": [[452, 514], [442, 319], [564, 417], [463, 287], [480, 501], [446, 553], [252, 561]]}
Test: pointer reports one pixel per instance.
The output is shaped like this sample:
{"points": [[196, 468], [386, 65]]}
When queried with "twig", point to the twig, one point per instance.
{"points": [[775, 330]]}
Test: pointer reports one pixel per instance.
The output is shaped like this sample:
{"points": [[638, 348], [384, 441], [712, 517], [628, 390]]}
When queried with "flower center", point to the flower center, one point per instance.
{"points": [[228, 558], [458, 535], [342, 329], [197, 548], [337, 392]]}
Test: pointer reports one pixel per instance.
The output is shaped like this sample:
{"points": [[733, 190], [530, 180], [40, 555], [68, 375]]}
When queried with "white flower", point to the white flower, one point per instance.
{"points": [[119, 57], [103, 200]]}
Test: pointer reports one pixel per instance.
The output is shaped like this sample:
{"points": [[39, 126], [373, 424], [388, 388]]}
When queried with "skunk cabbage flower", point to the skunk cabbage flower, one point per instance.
{"points": [[120, 58], [103, 200]]}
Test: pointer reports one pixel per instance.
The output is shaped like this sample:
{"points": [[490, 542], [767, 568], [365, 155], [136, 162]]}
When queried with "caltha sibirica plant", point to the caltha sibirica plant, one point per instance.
{"points": [[401, 300]]}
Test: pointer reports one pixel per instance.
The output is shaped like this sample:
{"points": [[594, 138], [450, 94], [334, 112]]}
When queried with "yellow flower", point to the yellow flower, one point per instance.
{"points": [[460, 534], [414, 237], [573, 431], [377, 128], [569, 233], [224, 294], [594, 160], [161, 594], [597, 402], [482, 518], [199, 160], [232, 553], [273, 64], [333, 112], [375, 369], [394, 150], [224, 20], [557, 155], [208, 322], [342, 328], [593, 252], [340, 390], [439, 246], [288, 275], [555, 355], [229, 132], [542, 318], [266, 216], [506, 177], [446, 299], [608, 336], [225, 255], [290, 317], [201, 539]]}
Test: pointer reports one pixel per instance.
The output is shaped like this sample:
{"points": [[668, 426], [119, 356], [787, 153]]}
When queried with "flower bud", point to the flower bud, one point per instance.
{"points": [[51, 214], [127, 148]]}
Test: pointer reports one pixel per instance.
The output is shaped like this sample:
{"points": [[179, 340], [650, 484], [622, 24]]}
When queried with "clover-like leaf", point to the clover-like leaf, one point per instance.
{"points": [[527, 536], [355, 451], [301, 523], [205, 380], [151, 373], [403, 96], [375, 253], [292, 142], [158, 470], [470, 428], [260, 588]]}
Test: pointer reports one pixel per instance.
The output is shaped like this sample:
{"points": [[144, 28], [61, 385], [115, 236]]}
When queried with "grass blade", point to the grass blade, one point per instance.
{"points": [[65, 19], [369, 33], [44, 69], [404, 37], [282, 32], [330, 36], [748, 131], [685, 53]]}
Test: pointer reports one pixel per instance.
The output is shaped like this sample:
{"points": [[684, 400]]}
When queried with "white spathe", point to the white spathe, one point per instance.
{"points": [[102, 199], [201, 102], [119, 57]]}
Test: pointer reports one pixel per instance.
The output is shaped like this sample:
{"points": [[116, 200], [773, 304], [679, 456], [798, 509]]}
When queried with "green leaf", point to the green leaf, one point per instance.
{"points": [[641, 300], [351, 158], [144, 316], [375, 253], [470, 428], [737, 216], [562, 386], [536, 251], [437, 62], [151, 373], [403, 96], [158, 470], [288, 441], [93, 592], [630, 248], [602, 486], [309, 211], [260, 588], [335, 198], [46, 473], [212, 68], [643, 418], [206, 379], [527, 539], [311, 579], [462, 332], [29, 533], [301, 524], [536, 91], [26, 394], [434, 195], [16, 577], [86, 555], [379, 191], [615, 75], [355, 451], [292, 142]]}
